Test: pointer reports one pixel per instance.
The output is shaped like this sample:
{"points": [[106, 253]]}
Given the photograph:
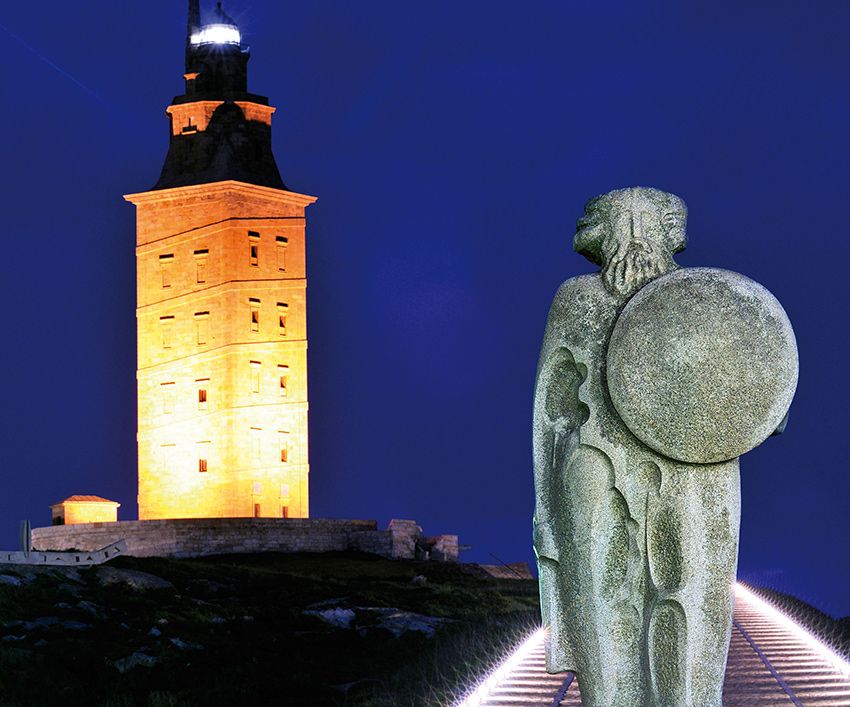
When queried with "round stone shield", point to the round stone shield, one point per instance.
{"points": [[702, 365]]}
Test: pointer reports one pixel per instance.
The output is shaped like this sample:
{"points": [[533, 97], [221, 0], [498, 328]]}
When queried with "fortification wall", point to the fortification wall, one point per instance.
{"points": [[217, 536]]}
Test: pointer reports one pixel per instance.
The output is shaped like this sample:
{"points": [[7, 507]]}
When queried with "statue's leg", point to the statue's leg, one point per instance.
{"points": [[692, 548], [602, 621], [559, 657]]}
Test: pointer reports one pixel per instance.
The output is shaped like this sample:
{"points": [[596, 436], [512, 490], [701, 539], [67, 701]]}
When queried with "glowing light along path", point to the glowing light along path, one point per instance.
{"points": [[521, 680], [772, 661], [805, 670]]}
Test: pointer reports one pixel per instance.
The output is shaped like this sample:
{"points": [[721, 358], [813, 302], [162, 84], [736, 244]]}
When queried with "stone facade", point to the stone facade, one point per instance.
{"points": [[84, 509], [218, 536], [403, 534], [222, 352], [445, 548], [221, 310]]}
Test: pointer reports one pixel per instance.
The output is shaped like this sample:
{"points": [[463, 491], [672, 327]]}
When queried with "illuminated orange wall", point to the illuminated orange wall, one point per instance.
{"points": [[196, 116], [237, 358], [75, 512]]}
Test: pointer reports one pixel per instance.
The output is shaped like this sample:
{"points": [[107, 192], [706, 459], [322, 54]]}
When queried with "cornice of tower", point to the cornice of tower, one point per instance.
{"points": [[223, 187]]}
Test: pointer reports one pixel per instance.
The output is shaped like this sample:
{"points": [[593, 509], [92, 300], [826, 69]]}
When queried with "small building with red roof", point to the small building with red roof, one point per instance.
{"points": [[84, 509]]}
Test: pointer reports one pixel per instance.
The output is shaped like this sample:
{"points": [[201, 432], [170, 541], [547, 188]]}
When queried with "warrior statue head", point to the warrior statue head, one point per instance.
{"points": [[633, 234]]}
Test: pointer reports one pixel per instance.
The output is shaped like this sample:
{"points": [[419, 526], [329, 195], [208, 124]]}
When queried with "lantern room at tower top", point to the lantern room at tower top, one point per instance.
{"points": [[219, 130], [221, 305], [222, 30]]}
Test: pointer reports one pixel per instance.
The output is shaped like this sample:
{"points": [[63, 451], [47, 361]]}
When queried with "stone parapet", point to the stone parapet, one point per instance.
{"points": [[208, 536], [197, 537], [445, 549], [404, 536]]}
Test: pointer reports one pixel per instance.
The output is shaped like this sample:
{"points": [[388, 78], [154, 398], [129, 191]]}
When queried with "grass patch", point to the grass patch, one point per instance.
{"points": [[233, 631]]}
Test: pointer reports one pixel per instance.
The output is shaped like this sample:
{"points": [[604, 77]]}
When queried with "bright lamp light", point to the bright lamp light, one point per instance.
{"points": [[217, 34]]}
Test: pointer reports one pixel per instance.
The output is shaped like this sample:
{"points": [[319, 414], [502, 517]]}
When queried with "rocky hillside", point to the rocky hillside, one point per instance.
{"points": [[300, 630]]}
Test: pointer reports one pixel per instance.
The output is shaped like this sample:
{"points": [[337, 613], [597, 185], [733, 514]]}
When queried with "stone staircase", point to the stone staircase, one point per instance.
{"points": [[771, 662]]}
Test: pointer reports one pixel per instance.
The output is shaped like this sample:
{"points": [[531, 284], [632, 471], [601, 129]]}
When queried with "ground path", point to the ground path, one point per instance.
{"points": [[771, 662]]}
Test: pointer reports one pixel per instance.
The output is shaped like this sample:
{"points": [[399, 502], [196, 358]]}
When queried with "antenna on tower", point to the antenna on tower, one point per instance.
{"points": [[194, 19]]}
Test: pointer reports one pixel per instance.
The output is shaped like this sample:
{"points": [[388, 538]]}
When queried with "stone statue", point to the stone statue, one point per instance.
{"points": [[652, 381]]}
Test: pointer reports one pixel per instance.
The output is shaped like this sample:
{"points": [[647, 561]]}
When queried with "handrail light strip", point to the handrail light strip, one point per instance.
{"points": [[480, 692], [818, 647]]}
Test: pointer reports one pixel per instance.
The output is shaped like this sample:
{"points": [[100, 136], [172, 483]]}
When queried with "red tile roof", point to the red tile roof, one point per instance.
{"points": [[85, 499]]}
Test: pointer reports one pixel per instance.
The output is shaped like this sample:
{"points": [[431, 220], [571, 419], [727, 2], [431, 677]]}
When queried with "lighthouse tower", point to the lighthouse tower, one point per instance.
{"points": [[221, 311]]}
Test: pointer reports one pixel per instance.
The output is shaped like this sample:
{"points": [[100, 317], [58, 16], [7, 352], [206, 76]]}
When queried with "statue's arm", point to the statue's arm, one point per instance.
{"points": [[558, 416]]}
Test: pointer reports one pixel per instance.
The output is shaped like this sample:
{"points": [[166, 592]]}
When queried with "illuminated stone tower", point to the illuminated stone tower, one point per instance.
{"points": [[222, 339]]}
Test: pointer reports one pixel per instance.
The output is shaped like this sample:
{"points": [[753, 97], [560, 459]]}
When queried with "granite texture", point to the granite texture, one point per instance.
{"points": [[199, 537], [636, 550], [715, 359]]}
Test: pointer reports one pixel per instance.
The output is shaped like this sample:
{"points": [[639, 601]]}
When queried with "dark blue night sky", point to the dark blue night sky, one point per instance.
{"points": [[452, 146]]}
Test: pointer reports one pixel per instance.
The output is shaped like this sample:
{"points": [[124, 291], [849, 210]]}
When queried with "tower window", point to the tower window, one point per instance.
{"points": [[167, 397], [257, 488], [253, 248], [202, 327], [256, 370], [203, 456], [201, 265], [166, 324], [255, 314], [283, 378], [282, 314], [203, 386], [283, 445], [165, 263], [281, 243]]}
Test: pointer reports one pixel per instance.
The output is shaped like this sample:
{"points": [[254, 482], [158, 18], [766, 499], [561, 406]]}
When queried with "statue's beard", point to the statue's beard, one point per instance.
{"points": [[635, 263]]}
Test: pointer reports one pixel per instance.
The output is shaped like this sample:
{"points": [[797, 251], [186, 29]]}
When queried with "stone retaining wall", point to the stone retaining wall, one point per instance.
{"points": [[207, 536], [196, 537]]}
